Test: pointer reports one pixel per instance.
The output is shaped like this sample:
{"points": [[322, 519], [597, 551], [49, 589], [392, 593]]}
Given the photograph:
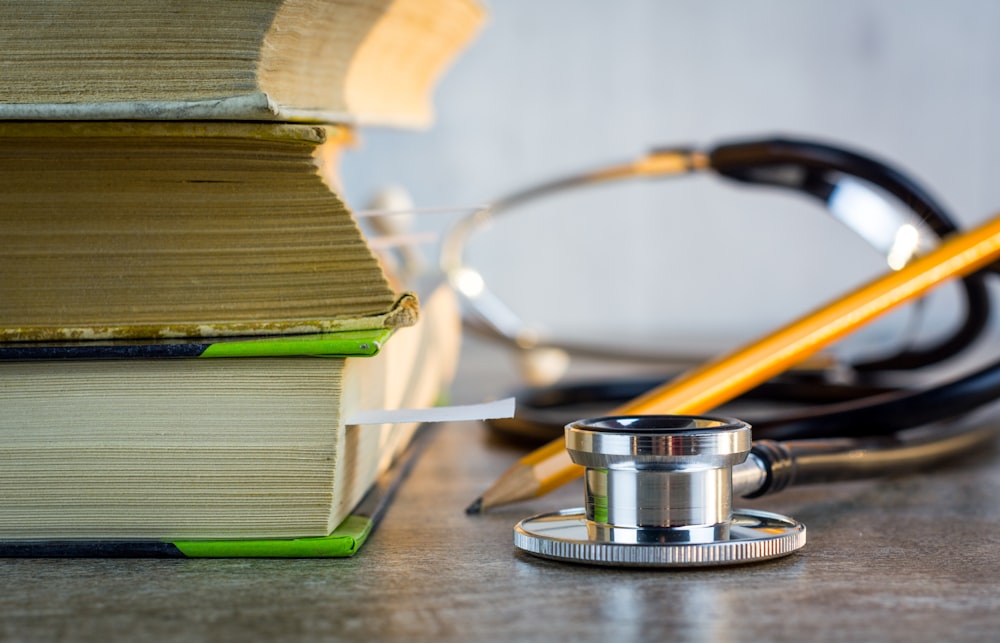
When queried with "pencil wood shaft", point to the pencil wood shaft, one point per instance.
{"points": [[720, 380]]}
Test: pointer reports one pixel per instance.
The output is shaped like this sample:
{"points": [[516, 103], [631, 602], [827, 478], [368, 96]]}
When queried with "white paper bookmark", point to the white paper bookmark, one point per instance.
{"points": [[486, 411]]}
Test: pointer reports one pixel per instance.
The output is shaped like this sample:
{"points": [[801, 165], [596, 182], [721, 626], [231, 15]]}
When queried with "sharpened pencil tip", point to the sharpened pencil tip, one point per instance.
{"points": [[476, 507]]}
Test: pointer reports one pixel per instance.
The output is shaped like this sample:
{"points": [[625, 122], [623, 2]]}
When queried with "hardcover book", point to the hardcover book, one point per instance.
{"points": [[176, 229], [333, 61], [226, 445]]}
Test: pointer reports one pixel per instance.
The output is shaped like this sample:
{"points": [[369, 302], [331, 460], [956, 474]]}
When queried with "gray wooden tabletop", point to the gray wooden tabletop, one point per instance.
{"points": [[908, 558]]}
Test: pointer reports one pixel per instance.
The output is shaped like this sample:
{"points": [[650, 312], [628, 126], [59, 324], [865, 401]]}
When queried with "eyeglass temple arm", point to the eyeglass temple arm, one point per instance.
{"points": [[664, 162]]}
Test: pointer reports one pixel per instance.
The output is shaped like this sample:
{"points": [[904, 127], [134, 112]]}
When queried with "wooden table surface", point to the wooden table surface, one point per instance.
{"points": [[914, 558]]}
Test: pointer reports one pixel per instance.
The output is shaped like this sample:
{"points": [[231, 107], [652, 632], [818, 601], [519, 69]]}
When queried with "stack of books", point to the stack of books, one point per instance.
{"points": [[188, 311]]}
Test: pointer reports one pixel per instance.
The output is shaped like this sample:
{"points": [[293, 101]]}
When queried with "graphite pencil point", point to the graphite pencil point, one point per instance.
{"points": [[476, 507]]}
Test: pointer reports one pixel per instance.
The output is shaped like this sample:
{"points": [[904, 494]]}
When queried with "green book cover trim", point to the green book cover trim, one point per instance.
{"points": [[353, 343], [344, 541], [347, 343]]}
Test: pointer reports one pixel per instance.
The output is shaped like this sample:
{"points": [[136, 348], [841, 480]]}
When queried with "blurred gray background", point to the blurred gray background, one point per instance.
{"points": [[555, 86]]}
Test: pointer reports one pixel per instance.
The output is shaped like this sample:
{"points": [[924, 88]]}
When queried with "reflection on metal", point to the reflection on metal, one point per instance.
{"points": [[659, 492]]}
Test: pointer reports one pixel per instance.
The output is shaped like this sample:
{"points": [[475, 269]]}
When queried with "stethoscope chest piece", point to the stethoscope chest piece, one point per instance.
{"points": [[659, 493]]}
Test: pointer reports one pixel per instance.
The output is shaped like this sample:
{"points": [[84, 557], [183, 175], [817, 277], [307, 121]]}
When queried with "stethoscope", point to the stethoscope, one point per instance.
{"points": [[659, 489]]}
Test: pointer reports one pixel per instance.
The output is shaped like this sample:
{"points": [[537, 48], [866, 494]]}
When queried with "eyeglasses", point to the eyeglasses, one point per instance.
{"points": [[861, 192]]}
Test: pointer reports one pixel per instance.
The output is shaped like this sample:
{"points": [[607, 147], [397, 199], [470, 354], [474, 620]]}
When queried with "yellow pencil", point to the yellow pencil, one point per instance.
{"points": [[720, 380]]}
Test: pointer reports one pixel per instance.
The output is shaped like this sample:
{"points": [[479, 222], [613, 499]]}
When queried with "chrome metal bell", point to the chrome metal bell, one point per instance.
{"points": [[659, 493]]}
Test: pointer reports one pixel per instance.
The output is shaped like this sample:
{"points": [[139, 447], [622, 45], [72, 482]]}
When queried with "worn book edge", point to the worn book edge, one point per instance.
{"points": [[404, 312]]}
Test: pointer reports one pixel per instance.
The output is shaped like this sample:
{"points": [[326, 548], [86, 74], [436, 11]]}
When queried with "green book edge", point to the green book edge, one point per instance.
{"points": [[344, 541], [346, 343], [354, 343]]}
